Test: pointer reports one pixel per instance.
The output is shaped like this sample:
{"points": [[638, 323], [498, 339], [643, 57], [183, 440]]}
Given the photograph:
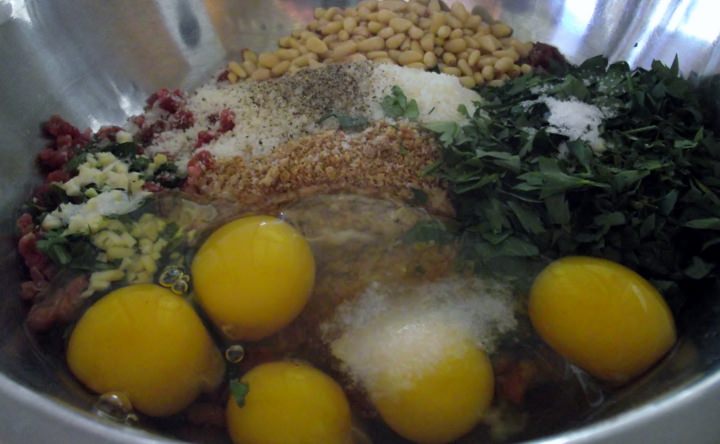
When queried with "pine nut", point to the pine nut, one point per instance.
{"points": [[316, 45], [415, 33], [371, 44], [427, 42], [386, 32], [374, 27], [464, 67], [400, 24], [344, 49], [451, 70], [429, 59], [280, 68], [503, 64], [268, 60], [261, 74], [467, 81], [408, 57], [395, 41], [455, 46], [349, 24], [500, 29]]}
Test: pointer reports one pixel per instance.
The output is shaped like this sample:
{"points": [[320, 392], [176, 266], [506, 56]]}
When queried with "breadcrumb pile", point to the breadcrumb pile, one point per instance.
{"points": [[384, 160]]}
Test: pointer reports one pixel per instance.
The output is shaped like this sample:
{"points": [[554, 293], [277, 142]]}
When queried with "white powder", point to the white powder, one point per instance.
{"points": [[400, 331], [576, 120]]}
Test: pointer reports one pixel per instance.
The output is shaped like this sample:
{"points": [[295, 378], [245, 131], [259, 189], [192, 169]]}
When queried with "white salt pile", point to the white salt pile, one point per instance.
{"points": [[397, 331]]}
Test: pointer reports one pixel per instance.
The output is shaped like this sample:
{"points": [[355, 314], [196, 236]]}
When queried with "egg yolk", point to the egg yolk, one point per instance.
{"points": [[288, 403], [441, 403], [147, 343], [601, 316], [253, 276]]}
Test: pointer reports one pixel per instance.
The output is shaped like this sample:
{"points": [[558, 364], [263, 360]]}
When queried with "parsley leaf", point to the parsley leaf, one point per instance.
{"points": [[396, 105], [239, 390]]}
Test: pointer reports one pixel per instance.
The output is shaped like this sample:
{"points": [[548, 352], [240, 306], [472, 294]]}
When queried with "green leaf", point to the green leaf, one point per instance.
{"points": [[610, 219], [139, 164], [710, 223], [667, 203], [239, 391], [55, 246], [396, 105], [74, 163], [510, 247], [411, 111], [123, 150], [698, 268], [582, 152], [558, 209], [447, 131], [529, 220], [626, 179]]}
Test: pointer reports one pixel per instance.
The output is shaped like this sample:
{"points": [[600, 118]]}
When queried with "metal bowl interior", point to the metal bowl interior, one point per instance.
{"points": [[95, 62]]}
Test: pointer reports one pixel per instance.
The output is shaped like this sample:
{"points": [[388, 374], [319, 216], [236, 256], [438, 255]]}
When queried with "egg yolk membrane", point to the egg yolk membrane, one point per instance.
{"points": [[147, 343], [601, 316], [253, 276], [288, 403]]}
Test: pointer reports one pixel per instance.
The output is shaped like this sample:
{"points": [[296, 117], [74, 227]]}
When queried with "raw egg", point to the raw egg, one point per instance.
{"points": [[289, 403], [148, 343], [601, 316], [441, 402], [422, 370], [253, 276]]}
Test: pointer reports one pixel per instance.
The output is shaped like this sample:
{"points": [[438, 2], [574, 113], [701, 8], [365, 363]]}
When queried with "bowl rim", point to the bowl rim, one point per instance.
{"points": [[665, 419]]}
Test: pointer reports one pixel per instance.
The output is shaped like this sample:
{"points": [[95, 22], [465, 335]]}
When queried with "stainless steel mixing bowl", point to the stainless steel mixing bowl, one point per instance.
{"points": [[94, 62]]}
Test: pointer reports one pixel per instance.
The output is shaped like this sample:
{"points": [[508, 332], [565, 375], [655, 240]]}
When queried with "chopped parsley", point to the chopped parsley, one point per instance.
{"points": [[239, 390], [650, 199]]}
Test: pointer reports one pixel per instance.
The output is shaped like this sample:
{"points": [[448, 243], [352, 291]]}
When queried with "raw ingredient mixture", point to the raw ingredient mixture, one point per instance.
{"points": [[404, 224]]}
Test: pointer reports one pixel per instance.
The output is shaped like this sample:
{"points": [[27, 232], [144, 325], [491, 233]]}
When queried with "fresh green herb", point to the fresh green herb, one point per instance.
{"points": [[396, 105], [348, 123], [126, 150], [75, 252], [651, 200], [55, 245], [72, 165], [139, 164], [239, 390]]}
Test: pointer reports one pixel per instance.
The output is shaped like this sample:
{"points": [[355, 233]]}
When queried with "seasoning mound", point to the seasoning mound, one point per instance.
{"points": [[383, 160], [251, 118]]}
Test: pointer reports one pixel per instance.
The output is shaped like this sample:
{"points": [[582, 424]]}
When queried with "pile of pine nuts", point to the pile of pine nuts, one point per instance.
{"points": [[417, 34]]}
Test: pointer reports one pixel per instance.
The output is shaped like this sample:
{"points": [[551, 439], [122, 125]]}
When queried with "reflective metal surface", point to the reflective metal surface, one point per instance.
{"points": [[95, 61]]}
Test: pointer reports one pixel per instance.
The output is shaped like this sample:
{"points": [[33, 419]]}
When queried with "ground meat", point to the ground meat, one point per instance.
{"points": [[65, 141], [166, 110], [544, 56], [57, 305]]}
